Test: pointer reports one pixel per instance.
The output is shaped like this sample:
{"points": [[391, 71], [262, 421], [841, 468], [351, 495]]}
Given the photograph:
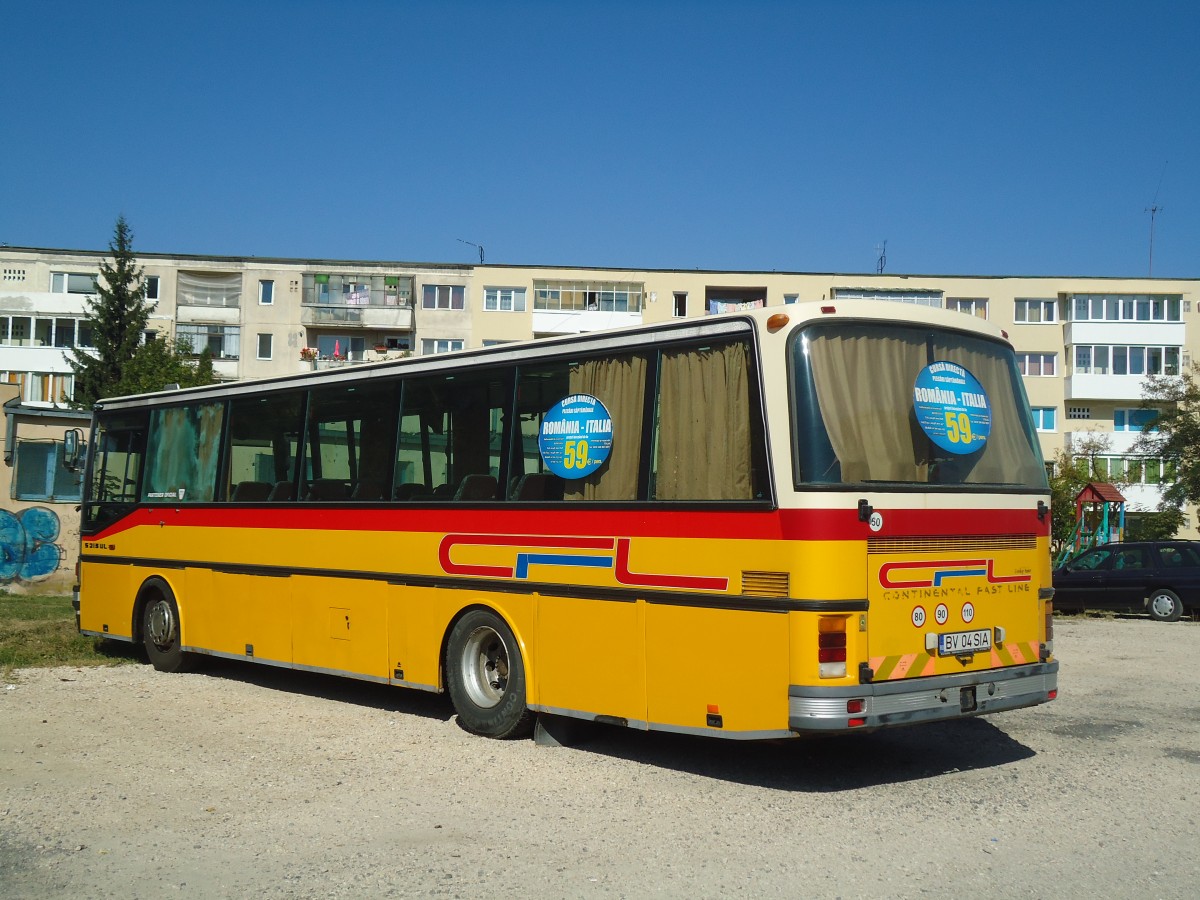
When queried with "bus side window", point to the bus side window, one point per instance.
{"points": [[183, 452], [709, 441], [264, 438], [451, 429], [350, 441]]}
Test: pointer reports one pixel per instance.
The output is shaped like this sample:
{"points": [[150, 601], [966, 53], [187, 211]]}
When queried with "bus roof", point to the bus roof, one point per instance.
{"points": [[721, 325]]}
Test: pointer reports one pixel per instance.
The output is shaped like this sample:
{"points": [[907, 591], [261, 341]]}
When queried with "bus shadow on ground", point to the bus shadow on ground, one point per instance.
{"points": [[330, 687], [818, 764]]}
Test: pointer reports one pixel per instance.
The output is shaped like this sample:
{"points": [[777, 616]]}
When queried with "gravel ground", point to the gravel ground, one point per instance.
{"points": [[241, 780]]}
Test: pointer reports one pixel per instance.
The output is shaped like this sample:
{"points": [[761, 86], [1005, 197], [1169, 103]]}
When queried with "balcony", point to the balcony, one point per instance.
{"points": [[1105, 387], [552, 321], [393, 318]]}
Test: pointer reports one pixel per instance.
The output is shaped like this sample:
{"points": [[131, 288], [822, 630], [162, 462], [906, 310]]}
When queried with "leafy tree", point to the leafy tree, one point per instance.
{"points": [[159, 363], [1073, 469], [1173, 435], [121, 363], [117, 316]]}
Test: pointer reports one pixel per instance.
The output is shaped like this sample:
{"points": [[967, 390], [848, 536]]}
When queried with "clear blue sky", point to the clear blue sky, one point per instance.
{"points": [[976, 138]]}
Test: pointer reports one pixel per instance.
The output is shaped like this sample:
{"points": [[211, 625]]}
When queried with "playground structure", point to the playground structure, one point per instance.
{"points": [[1099, 519]]}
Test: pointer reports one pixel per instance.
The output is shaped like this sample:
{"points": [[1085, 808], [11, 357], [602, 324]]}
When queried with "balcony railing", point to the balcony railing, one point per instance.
{"points": [[392, 317]]}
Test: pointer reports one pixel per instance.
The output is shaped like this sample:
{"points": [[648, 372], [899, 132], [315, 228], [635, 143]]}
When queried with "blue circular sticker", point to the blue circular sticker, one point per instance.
{"points": [[952, 407], [576, 436]]}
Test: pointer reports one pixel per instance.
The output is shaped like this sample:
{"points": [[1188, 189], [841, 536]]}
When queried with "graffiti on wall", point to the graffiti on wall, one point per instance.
{"points": [[28, 544]]}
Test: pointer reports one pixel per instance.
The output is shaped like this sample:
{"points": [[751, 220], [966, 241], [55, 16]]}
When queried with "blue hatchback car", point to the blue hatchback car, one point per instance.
{"points": [[1162, 577]]}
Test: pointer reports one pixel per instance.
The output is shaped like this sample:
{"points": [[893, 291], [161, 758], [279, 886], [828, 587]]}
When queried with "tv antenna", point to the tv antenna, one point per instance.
{"points": [[880, 257], [1154, 209], [478, 247]]}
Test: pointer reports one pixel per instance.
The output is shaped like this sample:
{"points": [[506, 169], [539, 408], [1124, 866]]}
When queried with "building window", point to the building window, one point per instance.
{"points": [[209, 289], [1126, 307], [1037, 364], [601, 296], [789, 299], [1045, 418], [266, 292], [1035, 310], [152, 288], [341, 346], [1079, 412], [264, 346], [42, 387], [443, 296], [503, 299], [323, 289], [223, 341], [72, 283], [1126, 360], [429, 346], [920, 298], [972, 306], [1133, 469], [39, 473], [680, 310], [1134, 419]]}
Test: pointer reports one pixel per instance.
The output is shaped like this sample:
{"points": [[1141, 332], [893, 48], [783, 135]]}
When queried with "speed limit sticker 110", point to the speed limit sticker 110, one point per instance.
{"points": [[576, 436]]}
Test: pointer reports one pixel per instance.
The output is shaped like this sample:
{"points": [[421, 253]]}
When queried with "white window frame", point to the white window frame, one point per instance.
{"points": [[1024, 361], [1047, 308], [972, 306], [258, 345], [504, 299], [1123, 420], [679, 304], [443, 296], [1041, 413], [153, 284], [266, 292], [431, 346]]}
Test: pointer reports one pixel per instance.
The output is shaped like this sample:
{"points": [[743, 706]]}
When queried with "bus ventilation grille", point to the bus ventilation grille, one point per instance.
{"points": [[952, 544], [765, 584]]}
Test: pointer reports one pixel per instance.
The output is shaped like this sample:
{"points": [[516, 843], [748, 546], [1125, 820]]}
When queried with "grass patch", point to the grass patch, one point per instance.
{"points": [[39, 631]]}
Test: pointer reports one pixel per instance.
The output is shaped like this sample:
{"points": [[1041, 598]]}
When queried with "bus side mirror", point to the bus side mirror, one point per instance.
{"points": [[72, 448]]}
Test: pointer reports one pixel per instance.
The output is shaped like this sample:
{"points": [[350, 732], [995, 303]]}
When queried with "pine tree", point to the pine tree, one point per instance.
{"points": [[117, 315]]}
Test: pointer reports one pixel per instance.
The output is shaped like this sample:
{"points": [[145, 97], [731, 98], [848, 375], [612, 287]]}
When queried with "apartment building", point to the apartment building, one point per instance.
{"points": [[1085, 344]]}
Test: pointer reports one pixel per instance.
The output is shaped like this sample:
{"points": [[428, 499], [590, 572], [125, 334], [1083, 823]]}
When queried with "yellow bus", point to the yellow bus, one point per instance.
{"points": [[828, 518]]}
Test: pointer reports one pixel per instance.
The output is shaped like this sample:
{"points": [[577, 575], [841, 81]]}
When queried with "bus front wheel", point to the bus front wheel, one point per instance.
{"points": [[486, 676], [160, 632]]}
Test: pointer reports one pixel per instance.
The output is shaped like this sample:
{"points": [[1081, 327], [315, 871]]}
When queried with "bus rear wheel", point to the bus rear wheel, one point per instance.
{"points": [[486, 676], [160, 632]]}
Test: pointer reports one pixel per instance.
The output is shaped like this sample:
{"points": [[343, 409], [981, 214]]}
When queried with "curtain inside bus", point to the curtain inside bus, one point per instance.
{"points": [[620, 384], [703, 446]]}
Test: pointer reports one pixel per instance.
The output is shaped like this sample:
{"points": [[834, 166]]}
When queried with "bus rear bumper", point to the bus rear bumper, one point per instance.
{"points": [[912, 700]]}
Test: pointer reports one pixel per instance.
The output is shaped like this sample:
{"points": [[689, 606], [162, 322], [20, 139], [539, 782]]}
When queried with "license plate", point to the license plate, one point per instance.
{"points": [[958, 643]]}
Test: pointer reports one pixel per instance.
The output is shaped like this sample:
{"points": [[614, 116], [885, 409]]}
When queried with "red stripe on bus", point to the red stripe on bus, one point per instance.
{"points": [[790, 524]]}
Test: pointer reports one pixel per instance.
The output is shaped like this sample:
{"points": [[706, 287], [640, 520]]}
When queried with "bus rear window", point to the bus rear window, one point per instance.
{"points": [[909, 405]]}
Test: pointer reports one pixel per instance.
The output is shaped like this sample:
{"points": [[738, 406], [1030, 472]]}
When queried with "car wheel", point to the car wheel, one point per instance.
{"points": [[1164, 605]]}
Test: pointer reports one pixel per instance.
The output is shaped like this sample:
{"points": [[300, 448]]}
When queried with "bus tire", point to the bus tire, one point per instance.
{"points": [[160, 630], [1164, 605], [485, 676]]}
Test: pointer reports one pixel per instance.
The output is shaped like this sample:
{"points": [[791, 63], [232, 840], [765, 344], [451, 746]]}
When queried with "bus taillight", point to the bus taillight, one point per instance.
{"points": [[831, 646], [1048, 646]]}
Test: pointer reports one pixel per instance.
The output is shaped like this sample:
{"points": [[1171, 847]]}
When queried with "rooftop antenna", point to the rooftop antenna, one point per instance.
{"points": [[881, 254], [1154, 209], [478, 247]]}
